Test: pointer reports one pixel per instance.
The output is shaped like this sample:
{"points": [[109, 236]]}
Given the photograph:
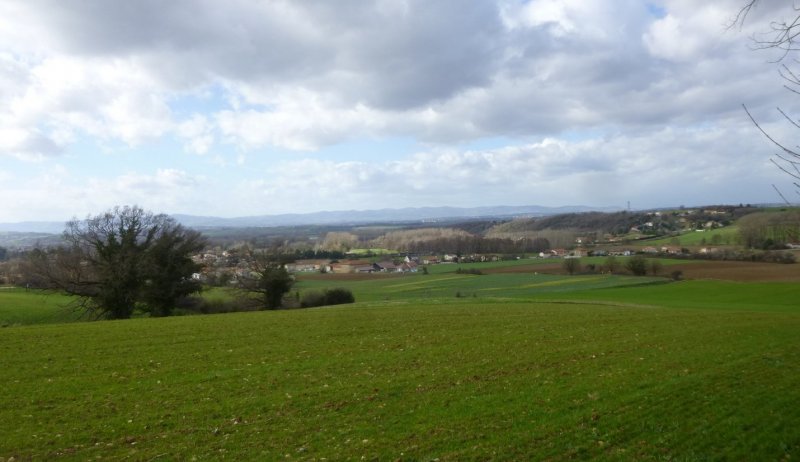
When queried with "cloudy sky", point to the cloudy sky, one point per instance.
{"points": [[249, 107]]}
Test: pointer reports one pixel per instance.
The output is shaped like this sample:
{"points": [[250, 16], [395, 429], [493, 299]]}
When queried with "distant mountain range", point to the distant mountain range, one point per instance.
{"points": [[351, 217], [347, 217]]}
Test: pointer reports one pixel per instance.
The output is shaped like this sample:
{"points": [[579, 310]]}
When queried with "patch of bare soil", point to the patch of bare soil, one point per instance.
{"points": [[346, 276], [723, 270], [547, 268]]}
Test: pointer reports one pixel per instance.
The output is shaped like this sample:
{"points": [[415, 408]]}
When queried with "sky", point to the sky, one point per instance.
{"points": [[245, 107]]}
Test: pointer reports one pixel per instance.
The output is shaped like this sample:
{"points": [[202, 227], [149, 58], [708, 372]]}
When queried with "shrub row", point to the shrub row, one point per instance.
{"points": [[337, 296], [769, 256]]}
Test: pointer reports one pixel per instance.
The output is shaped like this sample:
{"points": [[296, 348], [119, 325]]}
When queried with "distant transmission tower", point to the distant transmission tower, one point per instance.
{"points": [[629, 206]]}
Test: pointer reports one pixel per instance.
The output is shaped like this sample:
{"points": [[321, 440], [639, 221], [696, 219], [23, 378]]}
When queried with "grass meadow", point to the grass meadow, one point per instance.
{"points": [[20, 306], [531, 367]]}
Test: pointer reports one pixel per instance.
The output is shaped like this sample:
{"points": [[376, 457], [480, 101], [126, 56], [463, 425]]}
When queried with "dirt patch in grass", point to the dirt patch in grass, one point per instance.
{"points": [[740, 271], [721, 270], [546, 268]]}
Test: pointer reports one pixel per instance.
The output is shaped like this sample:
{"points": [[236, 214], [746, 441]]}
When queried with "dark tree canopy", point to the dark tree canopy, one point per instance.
{"points": [[637, 265], [268, 280], [123, 259], [168, 267]]}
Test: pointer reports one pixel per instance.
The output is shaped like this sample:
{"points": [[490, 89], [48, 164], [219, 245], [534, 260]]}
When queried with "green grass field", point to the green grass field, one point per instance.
{"points": [[710, 295], [450, 285], [18, 306], [443, 282], [531, 367]]}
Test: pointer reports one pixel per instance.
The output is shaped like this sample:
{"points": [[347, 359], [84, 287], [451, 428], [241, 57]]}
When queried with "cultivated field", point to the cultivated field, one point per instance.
{"points": [[450, 285], [740, 271], [521, 366]]}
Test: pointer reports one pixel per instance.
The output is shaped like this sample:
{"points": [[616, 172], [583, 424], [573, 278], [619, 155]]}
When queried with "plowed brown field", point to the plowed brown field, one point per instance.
{"points": [[722, 270], [548, 268], [347, 276], [739, 271]]}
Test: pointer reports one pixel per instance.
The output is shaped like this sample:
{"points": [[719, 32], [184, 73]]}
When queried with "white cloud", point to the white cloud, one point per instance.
{"points": [[642, 92], [665, 167], [198, 134], [322, 75], [59, 193], [690, 33], [651, 168], [29, 145], [297, 120]]}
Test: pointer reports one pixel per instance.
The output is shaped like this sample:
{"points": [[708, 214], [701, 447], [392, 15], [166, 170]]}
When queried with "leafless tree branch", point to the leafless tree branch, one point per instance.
{"points": [[781, 194], [767, 135]]}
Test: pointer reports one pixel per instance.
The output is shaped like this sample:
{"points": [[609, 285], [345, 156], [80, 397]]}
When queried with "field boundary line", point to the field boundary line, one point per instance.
{"points": [[599, 302]]}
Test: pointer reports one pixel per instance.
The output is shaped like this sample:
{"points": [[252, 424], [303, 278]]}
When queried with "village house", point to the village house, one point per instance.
{"points": [[577, 253], [308, 266], [620, 253], [352, 266], [385, 267], [391, 267]]}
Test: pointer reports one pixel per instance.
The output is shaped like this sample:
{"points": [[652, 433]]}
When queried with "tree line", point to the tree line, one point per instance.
{"points": [[770, 230]]}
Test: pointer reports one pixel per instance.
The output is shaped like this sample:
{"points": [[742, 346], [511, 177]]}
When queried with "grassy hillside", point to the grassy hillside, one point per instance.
{"points": [[18, 306], [522, 366], [410, 381], [711, 295]]}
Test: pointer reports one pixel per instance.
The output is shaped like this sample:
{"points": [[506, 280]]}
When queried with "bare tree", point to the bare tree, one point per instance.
{"points": [[612, 265], [655, 267], [571, 265], [782, 35]]}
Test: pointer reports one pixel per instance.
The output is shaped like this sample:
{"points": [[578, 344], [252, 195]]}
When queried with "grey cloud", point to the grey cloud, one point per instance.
{"points": [[431, 53], [29, 145], [393, 59], [477, 75]]}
